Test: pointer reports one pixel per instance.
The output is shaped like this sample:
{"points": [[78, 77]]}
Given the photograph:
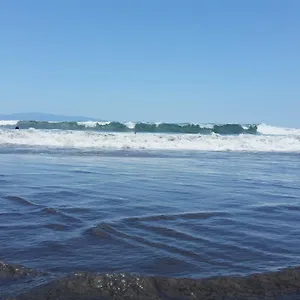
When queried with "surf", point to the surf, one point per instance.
{"points": [[115, 126]]}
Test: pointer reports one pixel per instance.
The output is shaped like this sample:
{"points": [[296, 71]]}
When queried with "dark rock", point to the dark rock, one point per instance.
{"points": [[9, 271], [88, 286]]}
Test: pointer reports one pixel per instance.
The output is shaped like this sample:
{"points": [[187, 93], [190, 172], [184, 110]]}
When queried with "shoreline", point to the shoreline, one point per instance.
{"points": [[85, 285]]}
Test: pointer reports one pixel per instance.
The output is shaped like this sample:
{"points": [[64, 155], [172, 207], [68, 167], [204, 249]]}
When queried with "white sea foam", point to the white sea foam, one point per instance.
{"points": [[96, 140], [92, 124], [8, 122], [273, 130], [130, 125], [206, 125]]}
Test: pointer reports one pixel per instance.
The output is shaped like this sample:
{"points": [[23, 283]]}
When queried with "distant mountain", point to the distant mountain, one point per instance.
{"points": [[44, 117]]}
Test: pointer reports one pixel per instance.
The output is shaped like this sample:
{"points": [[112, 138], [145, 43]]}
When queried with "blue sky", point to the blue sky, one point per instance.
{"points": [[152, 60]]}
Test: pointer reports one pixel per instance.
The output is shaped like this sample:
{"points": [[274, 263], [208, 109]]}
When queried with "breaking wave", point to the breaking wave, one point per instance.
{"points": [[41, 140], [189, 128], [224, 129], [150, 136], [274, 130]]}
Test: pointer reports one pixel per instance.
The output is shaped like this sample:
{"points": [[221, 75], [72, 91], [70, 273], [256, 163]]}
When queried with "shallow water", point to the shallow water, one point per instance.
{"points": [[191, 214]]}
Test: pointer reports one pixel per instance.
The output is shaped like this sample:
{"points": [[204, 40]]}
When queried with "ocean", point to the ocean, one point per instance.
{"points": [[150, 211]]}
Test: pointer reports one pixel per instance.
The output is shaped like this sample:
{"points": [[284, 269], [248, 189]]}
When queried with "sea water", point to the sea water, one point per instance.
{"points": [[161, 204]]}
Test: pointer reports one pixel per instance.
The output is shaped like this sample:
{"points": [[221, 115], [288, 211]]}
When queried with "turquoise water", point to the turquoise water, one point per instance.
{"points": [[188, 128]]}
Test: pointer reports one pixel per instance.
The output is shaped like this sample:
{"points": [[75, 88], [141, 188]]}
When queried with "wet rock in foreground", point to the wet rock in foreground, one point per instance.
{"points": [[89, 286], [11, 271]]}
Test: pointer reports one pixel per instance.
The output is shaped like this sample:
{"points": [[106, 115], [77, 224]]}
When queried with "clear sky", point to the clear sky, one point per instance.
{"points": [[152, 60]]}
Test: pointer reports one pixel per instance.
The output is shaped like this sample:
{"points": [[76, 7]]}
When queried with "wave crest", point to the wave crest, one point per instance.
{"points": [[224, 129]]}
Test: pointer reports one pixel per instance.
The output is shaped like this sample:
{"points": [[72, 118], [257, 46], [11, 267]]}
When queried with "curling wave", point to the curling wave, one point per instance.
{"points": [[224, 129]]}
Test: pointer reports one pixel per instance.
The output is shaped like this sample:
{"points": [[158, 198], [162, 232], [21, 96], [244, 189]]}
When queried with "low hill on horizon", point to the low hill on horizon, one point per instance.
{"points": [[44, 117]]}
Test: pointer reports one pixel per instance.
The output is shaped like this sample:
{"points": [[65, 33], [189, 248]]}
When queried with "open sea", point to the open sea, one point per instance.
{"points": [[148, 208]]}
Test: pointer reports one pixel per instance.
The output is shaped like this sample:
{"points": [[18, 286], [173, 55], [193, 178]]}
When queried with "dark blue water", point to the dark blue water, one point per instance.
{"points": [[193, 215]]}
